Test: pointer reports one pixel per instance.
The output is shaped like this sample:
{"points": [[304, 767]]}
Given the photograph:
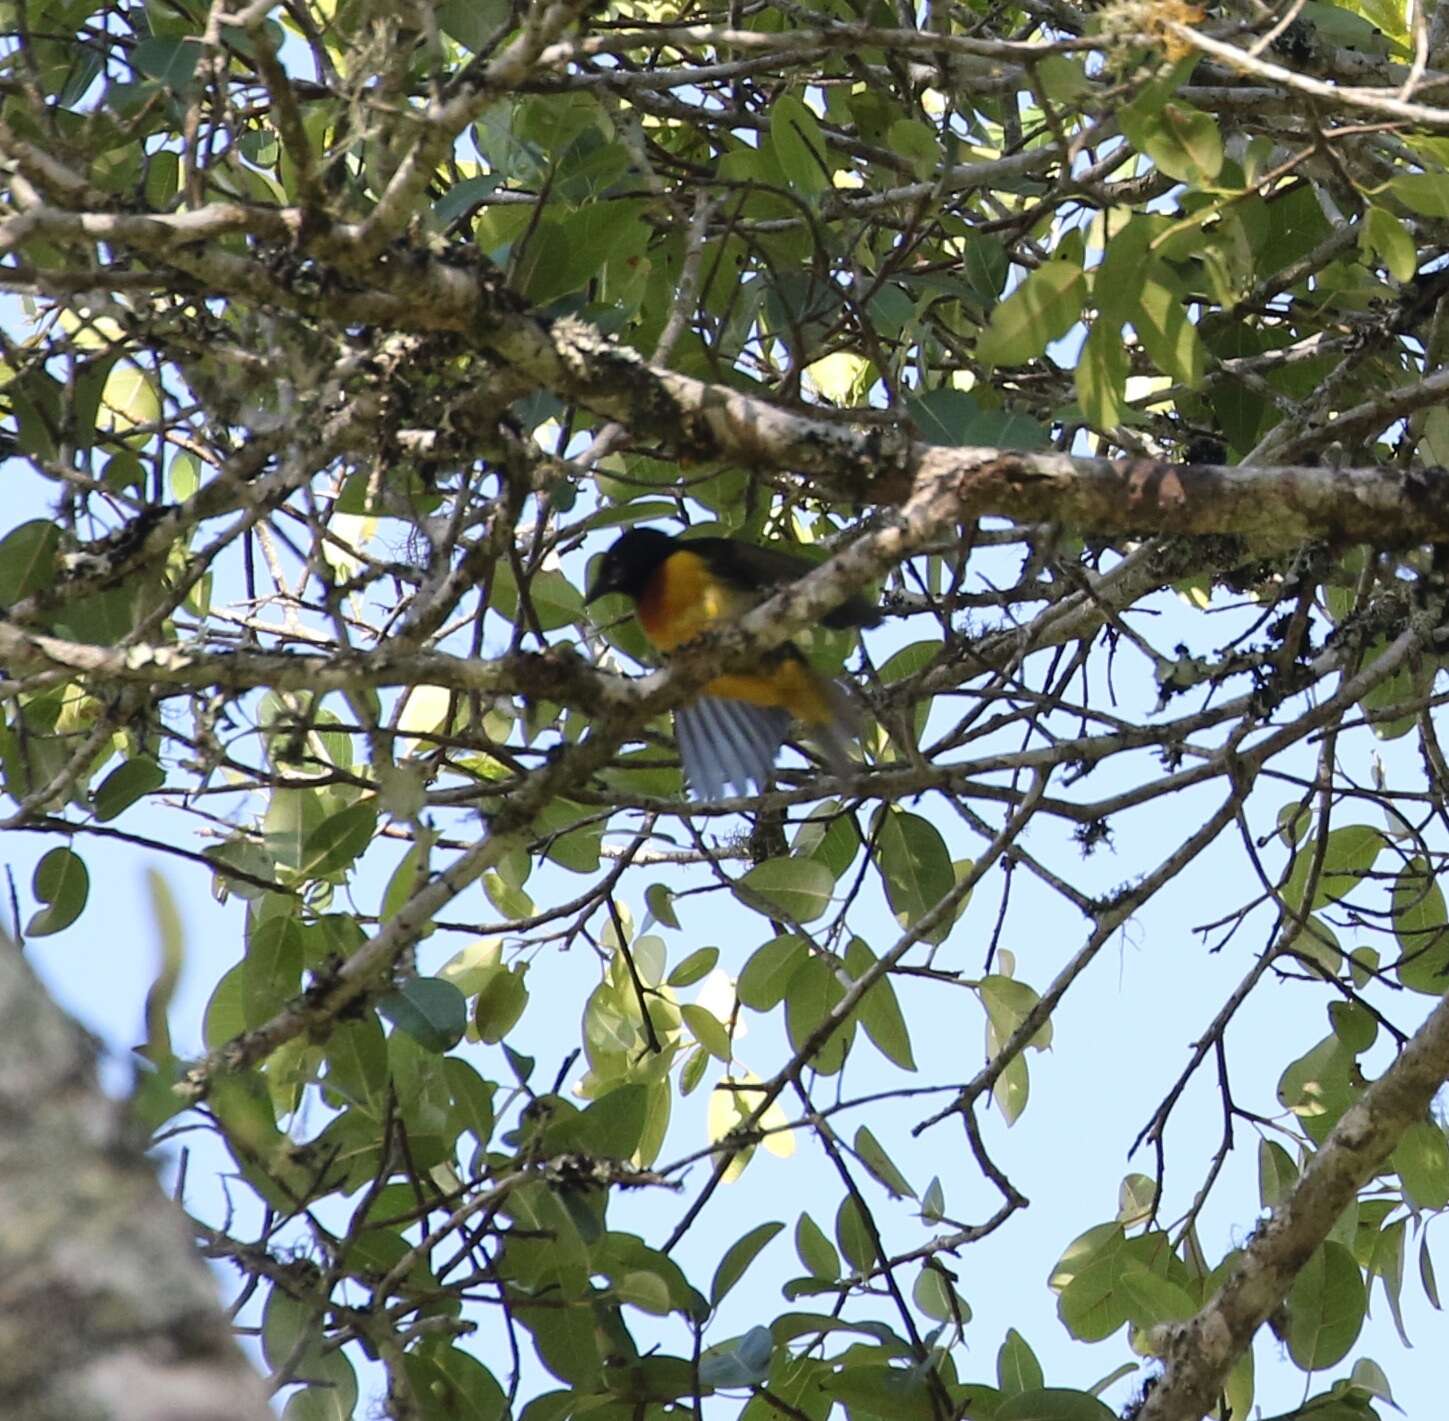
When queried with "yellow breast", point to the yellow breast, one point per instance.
{"points": [[682, 599]]}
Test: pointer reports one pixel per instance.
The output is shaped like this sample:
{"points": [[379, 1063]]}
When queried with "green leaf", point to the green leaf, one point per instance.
{"points": [[985, 265], [1090, 1302], [1352, 851], [1426, 1274], [1368, 1376], [34, 399], [1294, 821], [464, 195], [1151, 1299], [708, 1030], [1386, 237], [915, 866], [741, 1363], [816, 1251], [1239, 1388], [699, 963], [1115, 281], [738, 1257], [944, 416], [1008, 1003], [1424, 193], [333, 1397], [879, 1163], [1053, 1404], [433, 1012], [1042, 309], [797, 890], [62, 883], [660, 901], [1354, 1025], [124, 472], [933, 1294], [407, 877], [1136, 1199], [1348, 856], [853, 1234], [614, 1123], [1422, 1160], [126, 784], [184, 473], [338, 840], [1366, 31], [842, 377], [27, 558], [1422, 930], [472, 1099], [893, 1392], [1162, 325], [172, 62], [799, 145], [573, 848], [130, 398], [273, 964], [225, 1017], [506, 895], [1101, 375], [356, 1054], [1319, 1086], [916, 143], [567, 1344], [1277, 1172], [450, 1383], [693, 1070], [933, 1202], [472, 22], [1183, 141], [291, 1329], [501, 1000], [814, 993], [563, 255], [1326, 1307], [829, 836], [1017, 1368], [879, 1013], [1062, 80]]}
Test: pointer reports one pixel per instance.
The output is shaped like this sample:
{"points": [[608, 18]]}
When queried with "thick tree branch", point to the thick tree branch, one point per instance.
{"points": [[702, 422], [106, 1312], [1199, 1353]]}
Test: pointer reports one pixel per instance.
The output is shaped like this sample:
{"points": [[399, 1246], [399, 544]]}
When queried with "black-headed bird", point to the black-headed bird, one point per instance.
{"points": [[730, 734]]}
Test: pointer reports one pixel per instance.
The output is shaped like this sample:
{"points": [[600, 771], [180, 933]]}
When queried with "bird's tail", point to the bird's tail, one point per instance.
{"points": [[725, 743], [834, 734]]}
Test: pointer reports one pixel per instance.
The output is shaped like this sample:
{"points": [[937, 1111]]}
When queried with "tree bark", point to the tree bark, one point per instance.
{"points": [[1199, 1353], [107, 1313]]}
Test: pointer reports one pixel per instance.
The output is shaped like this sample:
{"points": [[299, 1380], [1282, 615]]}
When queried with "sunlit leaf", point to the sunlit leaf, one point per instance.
{"points": [[1042, 309], [797, 889]]}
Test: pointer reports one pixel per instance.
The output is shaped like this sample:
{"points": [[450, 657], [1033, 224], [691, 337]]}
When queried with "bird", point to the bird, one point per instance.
{"points": [[730, 734]]}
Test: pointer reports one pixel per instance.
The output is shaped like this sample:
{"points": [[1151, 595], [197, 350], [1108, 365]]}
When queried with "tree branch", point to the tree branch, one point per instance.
{"points": [[105, 1309], [1200, 1352]]}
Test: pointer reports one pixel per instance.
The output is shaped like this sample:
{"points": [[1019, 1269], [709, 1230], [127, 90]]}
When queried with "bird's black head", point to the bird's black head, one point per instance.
{"points": [[631, 562]]}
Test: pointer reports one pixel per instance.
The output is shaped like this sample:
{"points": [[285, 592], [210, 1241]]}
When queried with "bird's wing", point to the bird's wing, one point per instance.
{"points": [[728, 743], [760, 570]]}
